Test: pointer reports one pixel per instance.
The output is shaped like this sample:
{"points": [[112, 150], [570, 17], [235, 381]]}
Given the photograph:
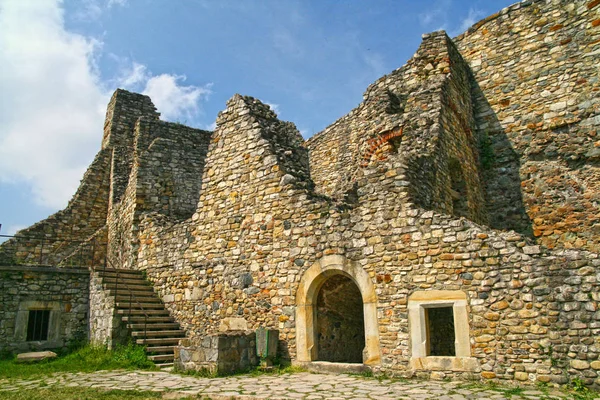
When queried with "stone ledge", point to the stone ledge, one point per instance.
{"points": [[469, 364], [46, 269], [332, 367]]}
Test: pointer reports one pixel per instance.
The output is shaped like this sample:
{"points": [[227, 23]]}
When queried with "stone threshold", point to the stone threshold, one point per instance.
{"points": [[333, 367]]}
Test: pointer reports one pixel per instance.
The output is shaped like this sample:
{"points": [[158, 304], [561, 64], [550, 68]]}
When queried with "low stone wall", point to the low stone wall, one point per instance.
{"points": [[106, 326], [222, 353], [62, 291]]}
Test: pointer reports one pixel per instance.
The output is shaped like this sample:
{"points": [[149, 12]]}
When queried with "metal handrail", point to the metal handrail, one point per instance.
{"points": [[92, 265], [46, 240], [132, 296]]}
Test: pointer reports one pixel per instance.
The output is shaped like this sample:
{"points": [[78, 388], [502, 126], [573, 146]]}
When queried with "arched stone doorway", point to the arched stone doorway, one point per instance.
{"points": [[307, 301], [340, 321]]}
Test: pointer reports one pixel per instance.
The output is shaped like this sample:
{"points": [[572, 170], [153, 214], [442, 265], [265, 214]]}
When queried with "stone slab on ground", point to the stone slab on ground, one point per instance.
{"points": [[35, 356]]}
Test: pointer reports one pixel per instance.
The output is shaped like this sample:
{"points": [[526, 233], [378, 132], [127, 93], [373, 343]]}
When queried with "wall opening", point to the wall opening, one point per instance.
{"points": [[37, 325], [307, 307], [440, 331], [340, 321]]}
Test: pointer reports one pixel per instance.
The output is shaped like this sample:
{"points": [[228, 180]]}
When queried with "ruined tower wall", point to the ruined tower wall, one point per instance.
{"points": [[167, 165], [538, 114], [425, 109], [123, 111]]}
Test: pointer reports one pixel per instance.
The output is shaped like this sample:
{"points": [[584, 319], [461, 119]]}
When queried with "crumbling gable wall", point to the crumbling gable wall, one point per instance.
{"points": [[425, 108], [538, 114]]}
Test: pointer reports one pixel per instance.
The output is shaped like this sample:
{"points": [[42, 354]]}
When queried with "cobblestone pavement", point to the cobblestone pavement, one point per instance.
{"points": [[286, 386]]}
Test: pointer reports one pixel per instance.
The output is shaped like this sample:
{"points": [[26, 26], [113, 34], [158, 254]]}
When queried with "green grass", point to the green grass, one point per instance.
{"points": [[61, 393], [255, 371], [85, 359]]}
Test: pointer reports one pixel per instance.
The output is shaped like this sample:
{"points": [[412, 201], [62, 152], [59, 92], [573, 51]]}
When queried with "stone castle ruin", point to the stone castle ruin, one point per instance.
{"points": [[447, 226]]}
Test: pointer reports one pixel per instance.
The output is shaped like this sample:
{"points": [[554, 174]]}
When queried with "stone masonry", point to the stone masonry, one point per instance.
{"points": [[466, 181]]}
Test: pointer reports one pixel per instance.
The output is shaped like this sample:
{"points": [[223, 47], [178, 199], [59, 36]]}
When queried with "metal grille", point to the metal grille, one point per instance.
{"points": [[37, 326]]}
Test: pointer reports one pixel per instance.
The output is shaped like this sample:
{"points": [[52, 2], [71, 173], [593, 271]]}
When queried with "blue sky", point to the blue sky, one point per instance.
{"points": [[61, 60]]}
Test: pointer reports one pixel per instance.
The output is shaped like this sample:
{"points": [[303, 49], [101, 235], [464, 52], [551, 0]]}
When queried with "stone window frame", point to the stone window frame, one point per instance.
{"points": [[22, 320], [418, 302], [306, 299]]}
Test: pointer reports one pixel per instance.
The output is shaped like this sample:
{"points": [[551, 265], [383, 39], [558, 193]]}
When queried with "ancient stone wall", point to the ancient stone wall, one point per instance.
{"points": [[423, 113], [57, 237], [106, 327], [223, 353], [538, 113], [171, 189], [61, 291]]}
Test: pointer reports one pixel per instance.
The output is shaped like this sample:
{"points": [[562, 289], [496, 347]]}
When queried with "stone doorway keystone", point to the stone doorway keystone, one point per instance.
{"points": [[337, 276]]}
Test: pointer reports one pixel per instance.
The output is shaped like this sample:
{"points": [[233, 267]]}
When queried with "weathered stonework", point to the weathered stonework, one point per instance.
{"points": [[62, 291], [406, 204], [222, 353]]}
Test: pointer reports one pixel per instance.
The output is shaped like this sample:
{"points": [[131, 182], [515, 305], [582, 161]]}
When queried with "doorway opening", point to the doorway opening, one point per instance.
{"points": [[340, 321]]}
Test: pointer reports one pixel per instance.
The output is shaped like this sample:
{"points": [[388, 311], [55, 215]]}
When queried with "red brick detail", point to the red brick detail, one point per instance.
{"points": [[376, 142]]}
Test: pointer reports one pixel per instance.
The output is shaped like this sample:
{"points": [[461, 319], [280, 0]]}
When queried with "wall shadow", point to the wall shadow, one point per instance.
{"points": [[499, 169]]}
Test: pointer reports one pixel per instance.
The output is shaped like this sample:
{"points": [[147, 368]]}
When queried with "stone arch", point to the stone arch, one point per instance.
{"points": [[306, 298]]}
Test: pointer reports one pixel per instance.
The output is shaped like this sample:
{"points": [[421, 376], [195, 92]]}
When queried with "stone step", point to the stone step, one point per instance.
{"points": [[105, 272], [140, 306], [135, 311], [125, 294], [162, 357], [160, 349], [149, 333], [146, 298], [126, 288], [126, 282], [154, 326], [151, 319], [159, 341]]}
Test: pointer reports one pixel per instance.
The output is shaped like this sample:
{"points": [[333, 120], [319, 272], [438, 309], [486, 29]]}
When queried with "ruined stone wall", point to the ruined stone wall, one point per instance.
{"points": [[224, 261], [530, 317], [168, 161], [425, 108], [106, 327], [63, 291], [538, 113], [122, 113], [57, 237]]}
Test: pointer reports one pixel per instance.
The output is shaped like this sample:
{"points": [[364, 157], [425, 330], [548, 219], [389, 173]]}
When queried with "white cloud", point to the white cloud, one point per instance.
{"points": [[173, 100], [53, 101], [51, 108], [437, 15], [473, 16], [112, 3], [133, 75]]}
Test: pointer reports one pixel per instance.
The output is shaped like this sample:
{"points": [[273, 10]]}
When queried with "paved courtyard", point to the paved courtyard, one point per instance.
{"points": [[286, 386]]}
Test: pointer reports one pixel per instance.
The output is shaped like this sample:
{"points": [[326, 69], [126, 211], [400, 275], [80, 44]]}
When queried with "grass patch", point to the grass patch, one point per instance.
{"points": [[78, 393], [255, 372], [85, 359]]}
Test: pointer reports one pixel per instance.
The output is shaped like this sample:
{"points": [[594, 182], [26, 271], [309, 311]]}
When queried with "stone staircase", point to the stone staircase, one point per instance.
{"points": [[143, 313]]}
